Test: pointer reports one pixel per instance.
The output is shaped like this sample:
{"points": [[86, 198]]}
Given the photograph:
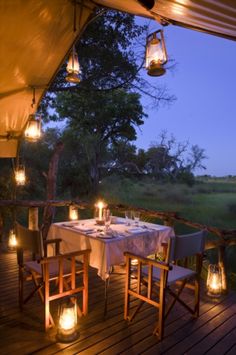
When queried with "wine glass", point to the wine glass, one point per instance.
{"points": [[128, 217], [136, 217], [107, 219]]}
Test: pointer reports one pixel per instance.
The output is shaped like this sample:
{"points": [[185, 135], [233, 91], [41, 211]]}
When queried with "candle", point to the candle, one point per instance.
{"points": [[100, 208]]}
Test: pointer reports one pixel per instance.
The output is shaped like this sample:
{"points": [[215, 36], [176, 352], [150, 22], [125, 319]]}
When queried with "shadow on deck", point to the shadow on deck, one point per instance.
{"points": [[214, 332]]}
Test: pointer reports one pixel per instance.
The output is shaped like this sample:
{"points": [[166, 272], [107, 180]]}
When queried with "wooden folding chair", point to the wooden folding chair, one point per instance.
{"points": [[154, 279], [61, 270]]}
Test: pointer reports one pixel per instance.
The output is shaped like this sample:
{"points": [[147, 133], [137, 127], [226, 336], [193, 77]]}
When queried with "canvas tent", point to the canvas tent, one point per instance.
{"points": [[36, 37]]}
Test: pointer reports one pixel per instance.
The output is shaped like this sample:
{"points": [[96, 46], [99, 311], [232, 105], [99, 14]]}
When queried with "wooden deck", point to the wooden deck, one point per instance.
{"points": [[214, 332]]}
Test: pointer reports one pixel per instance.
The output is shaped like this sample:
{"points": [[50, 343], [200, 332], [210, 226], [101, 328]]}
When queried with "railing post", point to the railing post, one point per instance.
{"points": [[222, 265], [168, 221], [33, 218]]}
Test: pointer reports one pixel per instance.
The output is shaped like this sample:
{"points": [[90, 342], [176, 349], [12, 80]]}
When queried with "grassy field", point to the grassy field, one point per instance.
{"points": [[211, 203]]}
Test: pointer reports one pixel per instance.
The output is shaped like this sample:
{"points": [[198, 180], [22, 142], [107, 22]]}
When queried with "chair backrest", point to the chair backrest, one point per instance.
{"points": [[182, 246], [29, 240]]}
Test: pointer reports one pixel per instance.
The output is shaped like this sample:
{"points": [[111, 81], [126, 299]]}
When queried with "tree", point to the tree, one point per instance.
{"points": [[105, 108], [170, 159]]}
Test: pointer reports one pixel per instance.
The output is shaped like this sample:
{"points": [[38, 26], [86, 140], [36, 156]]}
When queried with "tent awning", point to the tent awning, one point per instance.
{"points": [[36, 36], [211, 16]]}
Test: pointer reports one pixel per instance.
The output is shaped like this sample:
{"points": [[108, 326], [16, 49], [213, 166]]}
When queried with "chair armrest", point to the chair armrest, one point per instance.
{"points": [[147, 261]]}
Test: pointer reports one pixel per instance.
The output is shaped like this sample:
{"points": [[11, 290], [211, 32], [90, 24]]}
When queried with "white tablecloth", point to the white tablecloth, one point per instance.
{"points": [[142, 240]]}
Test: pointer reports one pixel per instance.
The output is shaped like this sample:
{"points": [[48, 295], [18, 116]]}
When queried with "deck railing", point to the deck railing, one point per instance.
{"points": [[224, 239]]}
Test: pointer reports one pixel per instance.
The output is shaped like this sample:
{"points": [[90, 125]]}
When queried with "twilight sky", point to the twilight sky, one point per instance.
{"points": [[204, 82]]}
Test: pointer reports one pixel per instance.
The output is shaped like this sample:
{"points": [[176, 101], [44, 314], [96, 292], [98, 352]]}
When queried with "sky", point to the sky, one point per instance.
{"points": [[204, 83]]}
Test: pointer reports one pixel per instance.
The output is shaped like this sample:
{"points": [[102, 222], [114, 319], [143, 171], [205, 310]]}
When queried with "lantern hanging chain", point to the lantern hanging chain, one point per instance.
{"points": [[33, 98]]}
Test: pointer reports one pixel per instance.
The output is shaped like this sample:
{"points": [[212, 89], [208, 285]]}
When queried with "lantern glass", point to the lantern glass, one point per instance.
{"points": [[73, 68], [20, 177], [156, 55], [12, 242], [33, 128], [214, 281], [67, 325], [73, 213], [99, 208]]}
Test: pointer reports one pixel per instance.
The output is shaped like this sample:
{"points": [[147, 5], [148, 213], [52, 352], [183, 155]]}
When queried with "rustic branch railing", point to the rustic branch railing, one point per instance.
{"points": [[225, 237]]}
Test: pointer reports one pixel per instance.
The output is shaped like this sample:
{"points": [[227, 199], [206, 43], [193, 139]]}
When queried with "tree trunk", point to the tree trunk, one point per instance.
{"points": [[49, 211]]}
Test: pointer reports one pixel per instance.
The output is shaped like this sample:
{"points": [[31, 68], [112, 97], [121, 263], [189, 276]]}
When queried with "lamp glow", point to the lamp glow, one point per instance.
{"points": [[67, 325], [33, 128], [73, 213], [214, 281], [156, 55], [12, 242], [73, 68], [20, 177]]}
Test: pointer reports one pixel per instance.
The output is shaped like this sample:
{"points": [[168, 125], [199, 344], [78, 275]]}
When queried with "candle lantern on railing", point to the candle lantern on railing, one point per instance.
{"points": [[12, 241], [73, 213], [99, 208], [33, 128], [156, 55], [214, 281], [20, 177], [67, 324]]}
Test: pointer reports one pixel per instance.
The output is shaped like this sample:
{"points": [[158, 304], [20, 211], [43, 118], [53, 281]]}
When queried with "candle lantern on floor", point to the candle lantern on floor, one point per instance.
{"points": [[156, 55], [99, 208], [73, 213], [214, 281], [67, 324], [12, 242]]}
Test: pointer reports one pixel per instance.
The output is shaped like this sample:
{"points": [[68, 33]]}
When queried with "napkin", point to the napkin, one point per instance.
{"points": [[134, 230], [84, 229]]}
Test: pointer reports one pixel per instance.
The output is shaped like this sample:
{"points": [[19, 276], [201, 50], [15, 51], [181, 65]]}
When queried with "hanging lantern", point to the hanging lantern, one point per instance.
{"points": [[73, 68], [33, 128], [73, 213], [99, 207], [67, 325], [12, 242], [156, 55], [20, 177], [214, 281]]}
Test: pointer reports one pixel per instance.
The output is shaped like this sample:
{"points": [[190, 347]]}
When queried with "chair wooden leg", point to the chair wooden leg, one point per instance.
{"points": [[159, 329], [85, 284], [197, 298]]}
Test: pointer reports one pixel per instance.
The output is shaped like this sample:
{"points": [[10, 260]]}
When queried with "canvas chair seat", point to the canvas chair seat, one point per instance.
{"points": [[152, 279], [175, 274], [36, 267]]}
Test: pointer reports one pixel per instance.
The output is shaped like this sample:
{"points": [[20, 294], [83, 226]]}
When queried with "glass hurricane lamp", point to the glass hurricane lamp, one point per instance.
{"points": [[214, 281], [156, 55], [33, 128], [67, 324], [73, 68]]}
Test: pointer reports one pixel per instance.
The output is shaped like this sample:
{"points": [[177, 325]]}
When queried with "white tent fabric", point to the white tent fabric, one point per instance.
{"points": [[212, 16], [36, 36]]}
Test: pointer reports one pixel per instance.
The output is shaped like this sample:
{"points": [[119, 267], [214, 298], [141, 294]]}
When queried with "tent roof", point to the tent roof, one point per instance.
{"points": [[36, 36]]}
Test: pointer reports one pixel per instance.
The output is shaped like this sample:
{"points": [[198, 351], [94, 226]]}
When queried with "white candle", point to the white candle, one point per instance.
{"points": [[100, 207]]}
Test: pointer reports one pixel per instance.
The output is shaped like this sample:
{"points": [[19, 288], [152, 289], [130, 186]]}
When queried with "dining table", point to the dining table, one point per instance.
{"points": [[108, 247]]}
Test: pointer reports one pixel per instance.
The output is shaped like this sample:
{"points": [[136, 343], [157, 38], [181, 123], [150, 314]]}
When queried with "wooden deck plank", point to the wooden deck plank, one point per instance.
{"points": [[194, 330], [22, 332], [226, 335]]}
